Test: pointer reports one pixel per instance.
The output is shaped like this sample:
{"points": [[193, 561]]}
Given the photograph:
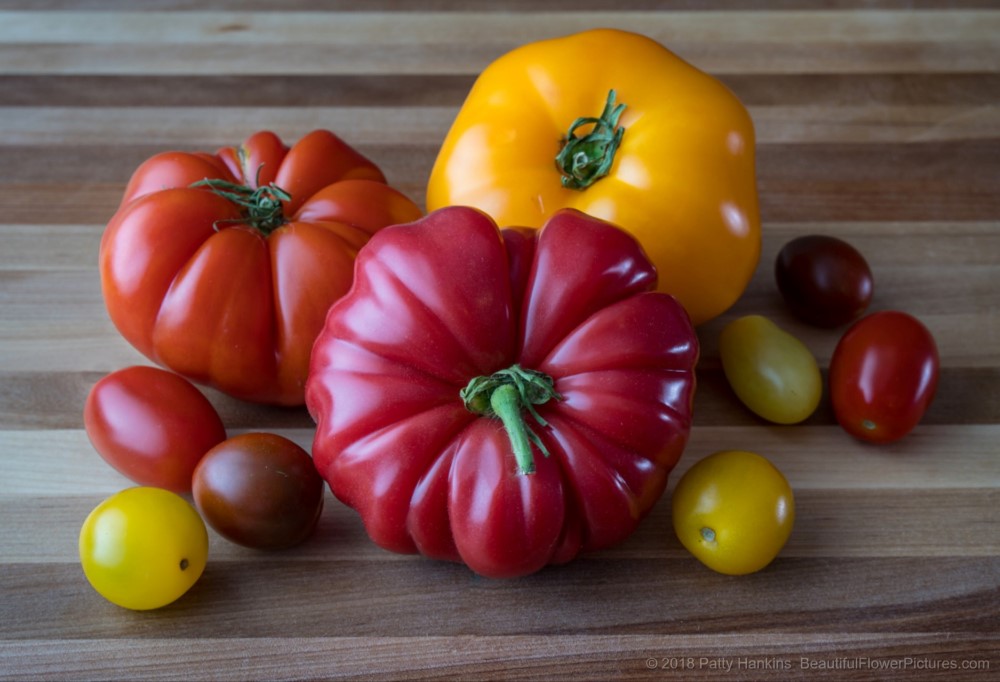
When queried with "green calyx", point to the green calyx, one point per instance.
{"points": [[506, 395], [584, 160], [263, 208]]}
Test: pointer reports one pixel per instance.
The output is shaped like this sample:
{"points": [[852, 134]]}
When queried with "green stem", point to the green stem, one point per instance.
{"points": [[263, 208], [506, 404], [506, 395], [584, 160]]}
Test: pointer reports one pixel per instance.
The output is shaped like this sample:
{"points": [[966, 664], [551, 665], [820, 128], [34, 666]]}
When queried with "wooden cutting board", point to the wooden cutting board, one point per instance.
{"points": [[877, 123]]}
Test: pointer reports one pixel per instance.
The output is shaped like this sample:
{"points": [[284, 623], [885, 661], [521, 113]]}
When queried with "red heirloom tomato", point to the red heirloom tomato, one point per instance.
{"points": [[883, 375], [222, 267], [259, 490], [152, 425], [452, 326]]}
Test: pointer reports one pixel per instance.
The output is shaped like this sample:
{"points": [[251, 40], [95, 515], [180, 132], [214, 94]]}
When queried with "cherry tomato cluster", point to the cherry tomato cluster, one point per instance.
{"points": [[144, 547], [219, 267], [884, 369], [734, 510]]}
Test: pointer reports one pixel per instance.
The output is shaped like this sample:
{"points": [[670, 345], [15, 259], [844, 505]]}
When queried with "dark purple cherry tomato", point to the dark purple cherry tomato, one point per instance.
{"points": [[883, 375], [824, 280], [152, 425], [259, 490]]}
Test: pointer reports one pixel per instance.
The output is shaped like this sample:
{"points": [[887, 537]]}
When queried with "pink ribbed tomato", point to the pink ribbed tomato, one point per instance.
{"points": [[508, 400]]}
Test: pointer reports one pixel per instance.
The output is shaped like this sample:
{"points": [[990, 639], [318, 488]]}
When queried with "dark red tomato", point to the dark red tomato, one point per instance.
{"points": [[883, 375], [151, 425], [259, 490], [824, 280]]}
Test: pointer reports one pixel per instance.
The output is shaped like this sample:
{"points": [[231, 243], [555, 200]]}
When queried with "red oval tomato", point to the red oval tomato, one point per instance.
{"points": [[883, 376], [222, 267], [151, 425], [259, 490], [824, 280]]}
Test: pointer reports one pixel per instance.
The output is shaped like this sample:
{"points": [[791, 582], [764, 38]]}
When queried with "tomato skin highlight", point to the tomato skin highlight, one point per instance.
{"points": [[734, 511], [883, 376], [259, 490], [143, 548], [151, 425], [825, 281]]}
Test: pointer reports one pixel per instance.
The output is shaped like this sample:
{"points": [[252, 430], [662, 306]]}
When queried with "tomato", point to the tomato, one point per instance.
{"points": [[143, 548], [734, 511], [259, 490], [481, 397], [824, 280], [151, 425], [883, 376], [222, 267], [771, 371], [615, 125]]}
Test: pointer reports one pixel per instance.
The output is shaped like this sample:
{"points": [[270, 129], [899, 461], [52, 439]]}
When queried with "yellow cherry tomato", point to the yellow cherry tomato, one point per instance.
{"points": [[615, 125], [143, 548], [771, 371], [734, 511]]}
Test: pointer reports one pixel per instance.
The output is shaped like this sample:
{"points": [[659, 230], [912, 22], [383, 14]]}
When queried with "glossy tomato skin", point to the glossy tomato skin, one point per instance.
{"points": [[682, 180], [734, 511], [259, 490], [883, 376], [152, 425], [824, 280], [198, 287], [441, 303], [143, 548], [771, 371]]}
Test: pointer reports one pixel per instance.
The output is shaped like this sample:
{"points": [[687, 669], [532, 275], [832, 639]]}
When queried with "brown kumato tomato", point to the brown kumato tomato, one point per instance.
{"points": [[259, 490], [825, 281]]}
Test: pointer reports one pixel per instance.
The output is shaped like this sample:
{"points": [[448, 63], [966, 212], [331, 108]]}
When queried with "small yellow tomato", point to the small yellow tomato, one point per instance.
{"points": [[734, 511], [143, 548], [771, 371]]}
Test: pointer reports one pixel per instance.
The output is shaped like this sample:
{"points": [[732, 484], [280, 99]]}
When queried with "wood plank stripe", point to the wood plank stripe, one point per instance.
{"points": [[37, 337], [298, 91], [391, 90], [817, 182], [780, 57], [632, 596], [484, 6], [86, 341], [837, 524], [173, 127], [370, 29], [817, 458], [38, 400], [538, 656], [42, 247]]}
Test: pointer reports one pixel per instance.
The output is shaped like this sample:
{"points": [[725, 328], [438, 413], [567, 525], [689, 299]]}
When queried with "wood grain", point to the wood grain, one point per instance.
{"points": [[877, 121]]}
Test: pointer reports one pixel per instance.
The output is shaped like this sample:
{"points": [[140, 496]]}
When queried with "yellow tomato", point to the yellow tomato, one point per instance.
{"points": [[771, 371], [143, 548], [676, 145], [734, 511]]}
